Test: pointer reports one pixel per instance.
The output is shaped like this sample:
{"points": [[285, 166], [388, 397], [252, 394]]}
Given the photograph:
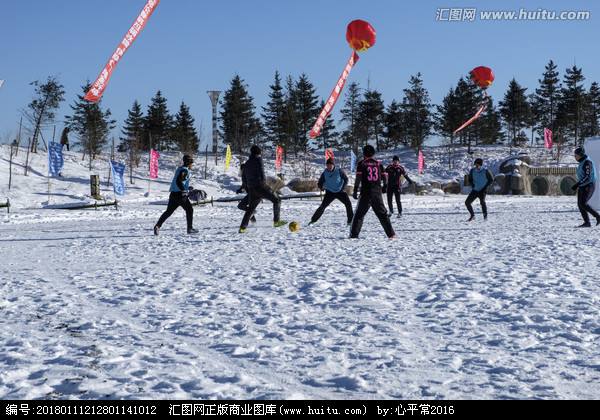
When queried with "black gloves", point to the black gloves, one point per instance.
{"points": [[574, 187], [355, 195]]}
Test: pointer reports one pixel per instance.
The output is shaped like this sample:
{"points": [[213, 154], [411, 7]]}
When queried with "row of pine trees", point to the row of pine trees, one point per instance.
{"points": [[566, 107]]}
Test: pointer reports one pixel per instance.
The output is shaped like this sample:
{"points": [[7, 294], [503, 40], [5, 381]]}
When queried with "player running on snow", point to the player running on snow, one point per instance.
{"points": [[369, 176], [180, 188], [258, 189], [334, 181]]}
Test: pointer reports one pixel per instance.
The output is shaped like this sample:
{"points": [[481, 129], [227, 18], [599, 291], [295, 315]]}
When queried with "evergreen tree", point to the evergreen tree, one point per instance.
{"points": [[393, 130], [90, 124], [41, 111], [371, 117], [290, 118], [490, 126], [159, 125], [274, 114], [515, 110], [592, 112], [350, 115], [545, 102], [307, 111], [133, 129], [416, 108], [184, 132], [240, 126], [572, 103], [468, 101]]}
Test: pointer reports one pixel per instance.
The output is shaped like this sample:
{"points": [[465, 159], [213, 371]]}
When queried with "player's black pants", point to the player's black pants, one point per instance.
{"points": [[328, 199], [471, 197], [583, 196], [391, 193], [177, 199], [256, 194], [367, 200]]}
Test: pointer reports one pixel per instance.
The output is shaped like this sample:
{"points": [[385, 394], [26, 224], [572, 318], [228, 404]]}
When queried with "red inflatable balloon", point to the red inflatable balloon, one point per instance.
{"points": [[482, 76], [360, 35]]}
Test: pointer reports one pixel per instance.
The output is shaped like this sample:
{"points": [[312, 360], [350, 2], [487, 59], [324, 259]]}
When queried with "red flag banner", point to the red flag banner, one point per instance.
{"points": [[97, 88], [278, 158], [421, 162], [473, 118], [328, 154], [154, 155], [548, 138], [335, 94]]}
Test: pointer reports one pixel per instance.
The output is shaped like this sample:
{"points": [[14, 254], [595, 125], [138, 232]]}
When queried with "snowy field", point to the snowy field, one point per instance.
{"points": [[93, 306]]}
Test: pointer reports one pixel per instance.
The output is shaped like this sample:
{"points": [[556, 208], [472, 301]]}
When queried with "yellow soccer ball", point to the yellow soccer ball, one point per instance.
{"points": [[294, 226]]}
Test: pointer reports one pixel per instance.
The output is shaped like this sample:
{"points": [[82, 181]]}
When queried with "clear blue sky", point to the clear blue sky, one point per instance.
{"points": [[191, 46]]}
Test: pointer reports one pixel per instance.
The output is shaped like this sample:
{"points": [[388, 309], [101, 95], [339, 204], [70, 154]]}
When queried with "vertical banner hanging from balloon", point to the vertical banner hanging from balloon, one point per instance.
{"points": [[361, 36], [421, 162], [154, 155], [227, 157], [548, 138], [328, 154], [483, 77], [97, 88], [278, 158]]}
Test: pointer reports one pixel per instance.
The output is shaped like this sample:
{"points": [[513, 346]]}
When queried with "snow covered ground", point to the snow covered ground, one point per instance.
{"points": [[93, 306]]}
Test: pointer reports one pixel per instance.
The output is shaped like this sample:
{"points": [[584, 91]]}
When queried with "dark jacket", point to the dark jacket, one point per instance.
{"points": [[394, 174], [369, 176], [254, 172]]}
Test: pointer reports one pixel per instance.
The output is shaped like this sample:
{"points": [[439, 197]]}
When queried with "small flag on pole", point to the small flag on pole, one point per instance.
{"points": [[421, 162], [227, 157], [278, 158], [55, 159], [118, 170], [328, 154], [548, 138], [154, 155]]}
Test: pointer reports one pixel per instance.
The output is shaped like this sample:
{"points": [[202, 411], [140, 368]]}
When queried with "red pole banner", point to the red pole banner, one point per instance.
{"points": [[154, 155], [316, 130], [421, 162], [548, 138], [278, 158], [97, 88]]}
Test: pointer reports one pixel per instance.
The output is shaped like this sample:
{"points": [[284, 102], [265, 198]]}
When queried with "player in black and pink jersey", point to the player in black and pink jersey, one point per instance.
{"points": [[370, 174]]}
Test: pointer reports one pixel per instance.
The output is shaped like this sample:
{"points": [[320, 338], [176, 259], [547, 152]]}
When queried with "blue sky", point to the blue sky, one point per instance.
{"points": [[191, 46]]}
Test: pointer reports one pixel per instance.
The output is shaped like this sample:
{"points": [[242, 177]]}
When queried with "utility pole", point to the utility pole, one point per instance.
{"points": [[214, 99]]}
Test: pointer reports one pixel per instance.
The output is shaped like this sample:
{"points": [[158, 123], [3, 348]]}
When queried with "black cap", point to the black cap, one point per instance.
{"points": [[330, 160], [580, 151], [187, 159], [478, 161], [368, 150], [255, 150], [396, 158]]}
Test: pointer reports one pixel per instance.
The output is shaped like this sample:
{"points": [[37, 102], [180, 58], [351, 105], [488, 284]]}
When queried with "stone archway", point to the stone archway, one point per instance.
{"points": [[540, 186], [565, 185]]}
